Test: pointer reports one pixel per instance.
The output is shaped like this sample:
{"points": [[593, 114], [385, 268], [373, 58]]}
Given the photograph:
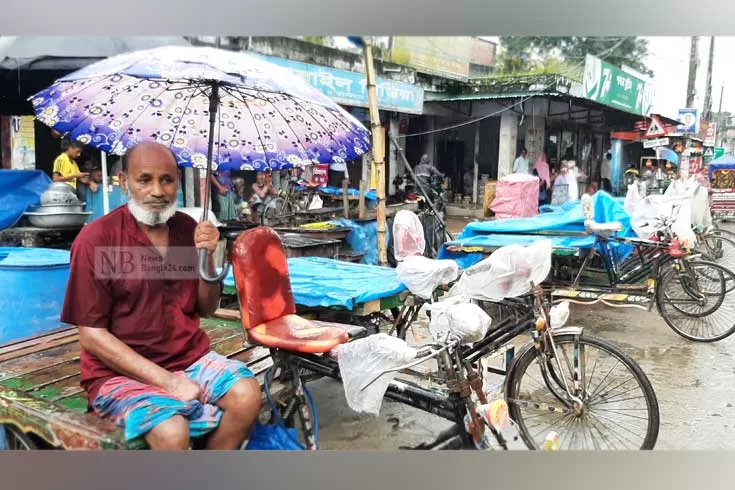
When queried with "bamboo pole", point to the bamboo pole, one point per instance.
{"points": [[378, 150]]}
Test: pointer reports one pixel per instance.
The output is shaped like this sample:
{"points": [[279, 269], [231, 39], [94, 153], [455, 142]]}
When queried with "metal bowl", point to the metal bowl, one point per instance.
{"points": [[59, 196], [58, 220], [57, 208], [60, 186]]}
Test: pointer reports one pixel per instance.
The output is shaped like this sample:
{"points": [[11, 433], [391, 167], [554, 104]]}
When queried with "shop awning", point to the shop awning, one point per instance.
{"points": [[582, 101]]}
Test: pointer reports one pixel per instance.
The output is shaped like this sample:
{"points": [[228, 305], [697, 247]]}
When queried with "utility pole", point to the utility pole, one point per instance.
{"points": [[721, 126], [707, 113], [693, 62]]}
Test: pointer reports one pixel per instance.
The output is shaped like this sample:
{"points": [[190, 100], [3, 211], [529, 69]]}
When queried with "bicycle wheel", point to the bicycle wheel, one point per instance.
{"points": [[718, 248], [274, 210], [698, 302], [611, 386]]}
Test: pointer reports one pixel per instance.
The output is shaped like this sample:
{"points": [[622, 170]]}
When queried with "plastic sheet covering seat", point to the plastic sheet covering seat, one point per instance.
{"points": [[457, 315], [266, 302], [408, 236], [364, 359], [422, 275], [507, 273], [691, 188], [647, 215]]}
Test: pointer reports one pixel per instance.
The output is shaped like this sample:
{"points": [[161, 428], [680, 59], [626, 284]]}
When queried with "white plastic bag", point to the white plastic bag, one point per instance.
{"points": [[422, 275], [459, 316], [645, 217], [632, 197], [362, 360], [691, 188], [559, 315], [408, 235], [316, 202], [507, 273]]}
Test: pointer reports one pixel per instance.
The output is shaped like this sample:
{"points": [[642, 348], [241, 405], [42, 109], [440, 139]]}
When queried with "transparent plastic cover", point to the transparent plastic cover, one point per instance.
{"points": [[362, 360], [507, 273], [647, 216], [422, 275], [408, 235], [456, 315]]}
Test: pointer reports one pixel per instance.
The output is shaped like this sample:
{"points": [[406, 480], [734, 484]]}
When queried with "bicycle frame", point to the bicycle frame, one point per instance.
{"points": [[459, 373], [632, 282]]}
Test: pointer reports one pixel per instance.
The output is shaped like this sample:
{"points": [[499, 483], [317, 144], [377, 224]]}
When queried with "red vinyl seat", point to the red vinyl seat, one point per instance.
{"points": [[267, 305]]}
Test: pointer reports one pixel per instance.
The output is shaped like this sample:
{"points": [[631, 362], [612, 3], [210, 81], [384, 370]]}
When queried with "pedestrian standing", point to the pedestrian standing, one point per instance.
{"points": [[521, 165]]}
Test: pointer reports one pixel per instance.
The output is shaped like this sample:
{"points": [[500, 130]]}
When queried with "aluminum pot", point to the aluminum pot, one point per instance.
{"points": [[58, 208], [58, 220], [56, 197]]}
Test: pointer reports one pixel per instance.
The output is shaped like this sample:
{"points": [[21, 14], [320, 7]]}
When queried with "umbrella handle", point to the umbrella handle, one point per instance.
{"points": [[204, 274]]}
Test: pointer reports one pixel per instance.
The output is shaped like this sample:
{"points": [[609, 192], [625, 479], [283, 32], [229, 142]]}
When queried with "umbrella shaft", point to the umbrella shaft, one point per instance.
{"points": [[213, 103]]}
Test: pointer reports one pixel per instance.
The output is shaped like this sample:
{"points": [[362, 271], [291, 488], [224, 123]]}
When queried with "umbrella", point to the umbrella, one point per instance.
{"points": [[213, 108], [666, 154]]}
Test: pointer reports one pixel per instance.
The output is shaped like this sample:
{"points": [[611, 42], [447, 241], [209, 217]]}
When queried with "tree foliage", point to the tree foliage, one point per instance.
{"points": [[525, 54]]}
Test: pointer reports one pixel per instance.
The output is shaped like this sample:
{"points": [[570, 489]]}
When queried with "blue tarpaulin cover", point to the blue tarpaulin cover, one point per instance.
{"points": [[467, 259], [19, 190], [336, 191], [363, 238], [319, 282], [569, 218]]}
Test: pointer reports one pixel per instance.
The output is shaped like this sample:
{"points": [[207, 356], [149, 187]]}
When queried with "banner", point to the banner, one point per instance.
{"points": [[447, 57], [609, 85], [22, 143], [689, 121], [350, 88]]}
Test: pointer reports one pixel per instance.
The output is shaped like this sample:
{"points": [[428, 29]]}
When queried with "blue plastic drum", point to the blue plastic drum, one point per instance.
{"points": [[32, 286]]}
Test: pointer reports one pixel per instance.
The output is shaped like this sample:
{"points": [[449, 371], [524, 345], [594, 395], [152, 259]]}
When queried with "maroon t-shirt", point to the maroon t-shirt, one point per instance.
{"points": [[154, 313]]}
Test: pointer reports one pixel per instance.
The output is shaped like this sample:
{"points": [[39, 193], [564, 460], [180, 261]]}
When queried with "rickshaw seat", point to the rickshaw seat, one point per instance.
{"points": [[267, 305]]}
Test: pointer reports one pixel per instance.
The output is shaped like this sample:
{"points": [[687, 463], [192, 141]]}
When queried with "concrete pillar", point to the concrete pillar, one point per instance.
{"points": [[535, 136], [507, 143], [616, 166]]}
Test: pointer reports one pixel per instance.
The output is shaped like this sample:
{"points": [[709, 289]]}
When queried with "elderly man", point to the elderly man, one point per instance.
{"points": [[146, 364]]}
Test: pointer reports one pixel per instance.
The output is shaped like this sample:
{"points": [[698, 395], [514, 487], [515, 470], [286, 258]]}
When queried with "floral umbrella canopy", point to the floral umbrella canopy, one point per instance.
{"points": [[213, 108], [261, 115]]}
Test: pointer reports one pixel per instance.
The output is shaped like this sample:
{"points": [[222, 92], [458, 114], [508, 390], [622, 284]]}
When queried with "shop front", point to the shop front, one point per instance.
{"points": [[397, 101]]}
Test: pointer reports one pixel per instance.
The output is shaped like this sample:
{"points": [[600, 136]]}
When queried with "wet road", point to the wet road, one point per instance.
{"points": [[694, 384]]}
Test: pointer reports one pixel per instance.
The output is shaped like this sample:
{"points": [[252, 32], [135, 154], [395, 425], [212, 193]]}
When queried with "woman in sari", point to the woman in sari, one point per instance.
{"points": [[542, 170], [221, 182]]}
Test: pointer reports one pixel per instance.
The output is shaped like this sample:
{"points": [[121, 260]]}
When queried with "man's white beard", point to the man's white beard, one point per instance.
{"points": [[150, 218]]}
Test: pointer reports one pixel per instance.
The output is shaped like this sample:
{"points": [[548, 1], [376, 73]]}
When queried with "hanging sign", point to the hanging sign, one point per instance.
{"points": [[656, 143]]}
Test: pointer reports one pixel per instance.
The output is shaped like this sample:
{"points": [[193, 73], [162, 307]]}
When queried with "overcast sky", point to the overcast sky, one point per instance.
{"points": [[669, 60]]}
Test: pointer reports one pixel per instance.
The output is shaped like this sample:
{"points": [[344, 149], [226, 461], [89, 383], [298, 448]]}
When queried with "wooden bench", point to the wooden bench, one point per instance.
{"points": [[40, 392]]}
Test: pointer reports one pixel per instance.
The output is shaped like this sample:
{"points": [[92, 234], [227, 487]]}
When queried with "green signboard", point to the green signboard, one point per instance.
{"points": [[613, 87], [719, 152]]}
